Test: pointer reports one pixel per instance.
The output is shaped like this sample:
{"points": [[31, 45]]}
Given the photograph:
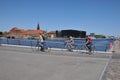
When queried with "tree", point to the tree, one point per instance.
{"points": [[100, 36]]}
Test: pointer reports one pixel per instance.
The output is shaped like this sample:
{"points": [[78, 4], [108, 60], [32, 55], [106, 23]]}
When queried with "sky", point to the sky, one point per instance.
{"points": [[92, 16]]}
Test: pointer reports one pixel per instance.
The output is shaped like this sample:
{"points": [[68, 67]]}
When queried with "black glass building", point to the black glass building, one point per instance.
{"points": [[74, 33]]}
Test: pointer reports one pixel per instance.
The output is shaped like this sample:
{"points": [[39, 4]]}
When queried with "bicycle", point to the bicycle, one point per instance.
{"points": [[84, 49], [69, 46], [41, 46]]}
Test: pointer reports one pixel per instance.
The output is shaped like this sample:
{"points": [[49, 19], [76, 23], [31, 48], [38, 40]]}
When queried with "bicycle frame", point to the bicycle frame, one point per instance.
{"points": [[69, 46], [83, 48], [43, 45]]}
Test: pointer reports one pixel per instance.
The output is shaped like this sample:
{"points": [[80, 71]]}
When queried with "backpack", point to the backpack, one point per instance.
{"points": [[43, 37]]}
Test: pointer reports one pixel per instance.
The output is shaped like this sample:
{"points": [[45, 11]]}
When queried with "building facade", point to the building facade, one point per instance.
{"points": [[21, 33], [74, 33]]}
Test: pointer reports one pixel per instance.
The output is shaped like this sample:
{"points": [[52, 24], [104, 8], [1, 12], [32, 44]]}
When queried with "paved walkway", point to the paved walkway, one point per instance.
{"points": [[114, 67], [17, 63], [116, 47]]}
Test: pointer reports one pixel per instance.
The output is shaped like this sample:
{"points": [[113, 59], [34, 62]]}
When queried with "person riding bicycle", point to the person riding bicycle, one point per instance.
{"points": [[69, 43], [41, 43], [88, 43]]}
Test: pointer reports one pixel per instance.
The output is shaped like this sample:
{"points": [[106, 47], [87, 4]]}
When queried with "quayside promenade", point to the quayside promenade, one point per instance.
{"points": [[22, 63], [113, 72]]}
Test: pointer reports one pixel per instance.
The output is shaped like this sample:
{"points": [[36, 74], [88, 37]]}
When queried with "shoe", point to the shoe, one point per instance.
{"points": [[90, 53], [70, 50]]}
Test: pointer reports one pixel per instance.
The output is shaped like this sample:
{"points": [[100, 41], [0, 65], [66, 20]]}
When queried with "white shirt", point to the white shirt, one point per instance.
{"points": [[41, 38]]}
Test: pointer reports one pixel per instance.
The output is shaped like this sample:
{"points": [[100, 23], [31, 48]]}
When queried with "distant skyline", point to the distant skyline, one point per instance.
{"points": [[93, 16]]}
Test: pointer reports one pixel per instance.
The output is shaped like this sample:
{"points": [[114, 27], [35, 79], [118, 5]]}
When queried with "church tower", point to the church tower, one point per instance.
{"points": [[38, 27]]}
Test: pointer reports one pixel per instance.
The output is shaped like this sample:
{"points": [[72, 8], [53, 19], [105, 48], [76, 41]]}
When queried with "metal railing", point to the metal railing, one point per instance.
{"points": [[53, 44]]}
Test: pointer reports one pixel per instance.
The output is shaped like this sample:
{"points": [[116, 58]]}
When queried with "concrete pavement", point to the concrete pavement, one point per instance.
{"points": [[18, 63], [113, 72]]}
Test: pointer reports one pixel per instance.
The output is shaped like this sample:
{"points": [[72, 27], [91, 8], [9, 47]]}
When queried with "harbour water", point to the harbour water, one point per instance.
{"points": [[100, 44]]}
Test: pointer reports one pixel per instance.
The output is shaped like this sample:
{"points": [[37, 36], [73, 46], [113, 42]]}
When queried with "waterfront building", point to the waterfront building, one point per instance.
{"points": [[21, 33], [52, 34], [74, 33], [1, 33]]}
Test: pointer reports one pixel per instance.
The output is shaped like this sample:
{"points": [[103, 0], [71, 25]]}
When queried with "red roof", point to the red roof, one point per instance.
{"points": [[33, 32], [25, 32]]}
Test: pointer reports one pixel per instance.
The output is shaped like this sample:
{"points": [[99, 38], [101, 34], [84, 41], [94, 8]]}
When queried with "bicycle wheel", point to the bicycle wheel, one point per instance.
{"points": [[86, 49], [93, 48], [80, 48], [36, 47], [91, 51], [47, 48]]}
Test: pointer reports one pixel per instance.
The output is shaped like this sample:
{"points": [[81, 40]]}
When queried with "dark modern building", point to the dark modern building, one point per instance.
{"points": [[74, 33], [1, 34]]}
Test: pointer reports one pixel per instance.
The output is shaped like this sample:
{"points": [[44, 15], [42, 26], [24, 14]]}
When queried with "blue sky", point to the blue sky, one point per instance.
{"points": [[93, 16]]}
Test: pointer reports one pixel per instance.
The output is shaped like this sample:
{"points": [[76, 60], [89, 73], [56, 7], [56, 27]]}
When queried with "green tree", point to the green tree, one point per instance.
{"points": [[100, 36]]}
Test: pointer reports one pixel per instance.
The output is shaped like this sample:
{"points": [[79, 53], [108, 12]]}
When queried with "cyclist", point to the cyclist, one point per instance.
{"points": [[88, 43], [69, 43], [41, 43]]}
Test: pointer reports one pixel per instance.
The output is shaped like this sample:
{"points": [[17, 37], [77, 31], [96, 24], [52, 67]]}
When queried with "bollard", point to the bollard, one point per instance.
{"points": [[111, 46]]}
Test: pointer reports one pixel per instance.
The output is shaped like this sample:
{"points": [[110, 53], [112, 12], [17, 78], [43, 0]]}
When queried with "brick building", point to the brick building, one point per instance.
{"points": [[21, 33]]}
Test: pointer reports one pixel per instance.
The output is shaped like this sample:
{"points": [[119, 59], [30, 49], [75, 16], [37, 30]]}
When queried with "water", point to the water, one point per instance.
{"points": [[100, 44]]}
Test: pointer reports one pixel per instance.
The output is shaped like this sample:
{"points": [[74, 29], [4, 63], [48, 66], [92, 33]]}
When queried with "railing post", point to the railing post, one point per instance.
{"points": [[0, 41], [106, 47], [7, 41], [31, 43], [18, 41]]}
